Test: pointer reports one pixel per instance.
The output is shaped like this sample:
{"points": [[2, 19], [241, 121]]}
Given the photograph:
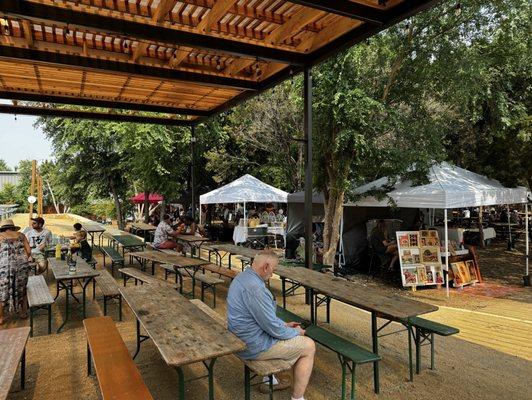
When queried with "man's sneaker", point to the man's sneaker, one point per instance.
{"points": [[283, 383]]}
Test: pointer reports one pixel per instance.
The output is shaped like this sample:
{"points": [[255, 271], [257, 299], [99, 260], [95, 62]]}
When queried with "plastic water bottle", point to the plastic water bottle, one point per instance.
{"points": [[58, 251]]}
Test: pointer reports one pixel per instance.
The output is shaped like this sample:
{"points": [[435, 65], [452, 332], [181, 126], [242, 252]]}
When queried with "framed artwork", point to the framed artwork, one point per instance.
{"points": [[438, 275], [461, 275], [422, 275], [429, 254], [409, 276], [409, 256], [472, 268]]}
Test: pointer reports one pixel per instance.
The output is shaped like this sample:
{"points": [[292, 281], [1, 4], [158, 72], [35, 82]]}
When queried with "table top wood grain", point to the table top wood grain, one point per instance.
{"points": [[238, 250], [369, 299], [143, 226], [60, 269], [12, 344], [165, 258], [191, 238], [181, 333]]}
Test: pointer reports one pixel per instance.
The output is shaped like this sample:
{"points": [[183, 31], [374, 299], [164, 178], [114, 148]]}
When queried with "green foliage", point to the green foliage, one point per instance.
{"points": [[4, 166], [9, 194]]}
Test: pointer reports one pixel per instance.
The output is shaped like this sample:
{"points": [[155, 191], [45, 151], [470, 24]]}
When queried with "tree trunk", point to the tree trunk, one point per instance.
{"points": [[331, 231], [480, 229], [53, 197], [146, 206], [118, 207]]}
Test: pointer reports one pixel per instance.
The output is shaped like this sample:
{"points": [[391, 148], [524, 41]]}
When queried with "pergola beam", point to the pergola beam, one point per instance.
{"points": [[348, 9], [145, 31], [88, 102], [99, 64], [100, 116]]}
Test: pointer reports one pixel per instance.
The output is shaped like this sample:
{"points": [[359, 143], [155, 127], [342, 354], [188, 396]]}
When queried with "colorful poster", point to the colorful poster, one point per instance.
{"points": [[419, 255]]}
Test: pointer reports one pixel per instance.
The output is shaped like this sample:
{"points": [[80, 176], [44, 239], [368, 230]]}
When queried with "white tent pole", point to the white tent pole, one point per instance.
{"points": [[446, 251], [245, 217], [526, 239]]}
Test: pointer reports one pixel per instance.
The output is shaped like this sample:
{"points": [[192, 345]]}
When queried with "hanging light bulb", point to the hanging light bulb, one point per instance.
{"points": [[458, 9]]}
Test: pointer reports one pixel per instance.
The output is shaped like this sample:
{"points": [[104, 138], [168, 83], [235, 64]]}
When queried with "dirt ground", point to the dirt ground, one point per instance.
{"points": [[491, 358]]}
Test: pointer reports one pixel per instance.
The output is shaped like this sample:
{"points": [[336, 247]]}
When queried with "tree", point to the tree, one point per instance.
{"points": [[259, 139], [4, 166]]}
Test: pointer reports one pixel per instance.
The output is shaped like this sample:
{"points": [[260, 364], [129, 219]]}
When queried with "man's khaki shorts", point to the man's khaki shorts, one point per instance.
{"points": [[289, 350]]}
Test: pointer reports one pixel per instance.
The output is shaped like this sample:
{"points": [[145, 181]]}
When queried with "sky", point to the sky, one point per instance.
{"points": [[19, 140]]}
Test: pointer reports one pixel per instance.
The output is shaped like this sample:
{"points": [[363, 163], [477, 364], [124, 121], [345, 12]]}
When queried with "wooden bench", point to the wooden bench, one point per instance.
{"points": [[109, 289], [350, 354], [425, 331], [39, 298], [13, 345], [139, 276], [252, 368], [114, 255], [207, 281], [221, 271], [118, 375], [245, 261]]}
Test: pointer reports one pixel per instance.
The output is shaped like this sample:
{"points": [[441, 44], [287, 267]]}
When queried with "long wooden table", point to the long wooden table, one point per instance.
{"points": [[231, 249], [93, 230], [64, 281], [126, 240], [176, 260], [181, 334], [195, 242], [379, 303], [145, 230], [13, 350]]}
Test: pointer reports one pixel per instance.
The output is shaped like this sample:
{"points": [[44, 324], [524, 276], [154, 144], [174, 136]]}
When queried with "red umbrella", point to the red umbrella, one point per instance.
{"points": [[153, 198]]}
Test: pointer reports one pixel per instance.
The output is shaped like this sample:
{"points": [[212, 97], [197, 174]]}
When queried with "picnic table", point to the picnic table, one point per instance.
{"points": [[231, 249], [13, 345], [379, 303], [143, 229], [93, 230], [178, 261], [181, 334], [126, 240], [195, 242], [65, 281]]}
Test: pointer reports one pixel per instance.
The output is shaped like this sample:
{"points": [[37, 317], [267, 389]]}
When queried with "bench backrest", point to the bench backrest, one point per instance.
{"points": [[118, 375], [38, 292]]}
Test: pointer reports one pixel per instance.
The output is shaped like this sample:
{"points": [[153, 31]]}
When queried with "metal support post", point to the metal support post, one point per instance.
{"points": [[307, 92], [192, 177]]}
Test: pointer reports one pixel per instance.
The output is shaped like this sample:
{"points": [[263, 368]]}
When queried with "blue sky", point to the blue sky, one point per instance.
{"points": [[19, 140]]}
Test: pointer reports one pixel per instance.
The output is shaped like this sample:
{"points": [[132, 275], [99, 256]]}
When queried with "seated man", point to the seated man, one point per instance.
{"points": [[164, 233], [381, 244], [39, 239], [251, 316]]}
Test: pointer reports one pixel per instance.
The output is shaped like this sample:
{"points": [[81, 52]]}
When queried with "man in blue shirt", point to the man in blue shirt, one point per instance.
{"points": [[251, 316]]}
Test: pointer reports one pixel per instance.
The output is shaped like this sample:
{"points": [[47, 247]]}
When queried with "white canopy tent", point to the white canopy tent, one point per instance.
{"points": [[449, 187], [246, 189]]}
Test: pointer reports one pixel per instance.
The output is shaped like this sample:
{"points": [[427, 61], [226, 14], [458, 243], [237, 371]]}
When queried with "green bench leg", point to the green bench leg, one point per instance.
{"points": [[353, 381], [181, 380], [410, 361], [49, 319], [432, 366], [31, 322], [120, 307], [247, 383], [418, 351], [105, 305]]}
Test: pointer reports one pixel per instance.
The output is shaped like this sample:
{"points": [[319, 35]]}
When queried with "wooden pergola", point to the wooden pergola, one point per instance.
{"points": [[190, 58], [185, 60]]}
